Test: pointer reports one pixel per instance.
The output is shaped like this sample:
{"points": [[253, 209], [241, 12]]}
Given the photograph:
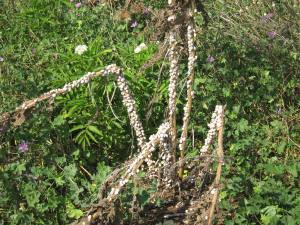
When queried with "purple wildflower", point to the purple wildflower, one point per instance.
{"points": [[210, 59], [23, 146], [78, 5], [272, 34], [267, 17], [1, 59], [33, 51], [134, 24], [146, 11], [3, 129]]}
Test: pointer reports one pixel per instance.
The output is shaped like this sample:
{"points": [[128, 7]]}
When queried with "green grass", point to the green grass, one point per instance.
{"points": [[257, 81]]}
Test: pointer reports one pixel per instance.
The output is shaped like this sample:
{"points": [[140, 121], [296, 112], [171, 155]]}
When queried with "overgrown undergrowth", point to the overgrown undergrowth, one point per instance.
{"points": [[53, 165]]}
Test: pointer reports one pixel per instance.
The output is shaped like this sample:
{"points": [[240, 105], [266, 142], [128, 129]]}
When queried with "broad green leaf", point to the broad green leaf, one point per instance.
{"points": [[70, 171], [75, 213], [59, 181], [59, 120], [78, 127], [95, 130], [292, 169], [281, 147]]}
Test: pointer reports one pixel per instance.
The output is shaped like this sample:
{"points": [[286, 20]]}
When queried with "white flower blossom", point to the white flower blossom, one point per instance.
{"points": [[80, 49], [140, 48]]}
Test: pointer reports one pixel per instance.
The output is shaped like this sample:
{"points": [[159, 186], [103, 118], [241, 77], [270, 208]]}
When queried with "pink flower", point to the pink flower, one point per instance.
{"points": [[210, 59], [23, 146], [78, 5], [134, 24], [146, 11], [267, 17], [272, 34]]}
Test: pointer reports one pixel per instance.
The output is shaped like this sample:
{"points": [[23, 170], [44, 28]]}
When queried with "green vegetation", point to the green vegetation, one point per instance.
{"points": [[52, 166]]}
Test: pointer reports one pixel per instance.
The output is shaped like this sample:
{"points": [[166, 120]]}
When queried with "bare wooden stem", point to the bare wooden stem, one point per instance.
{"points": [[139, 160], [174, 71], [190, 81], [50, 95], [87, 172], [220, 156], [128, 101], [131, 170]]}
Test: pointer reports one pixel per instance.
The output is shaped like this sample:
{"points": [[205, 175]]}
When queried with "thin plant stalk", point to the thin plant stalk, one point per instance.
{"points": [[142, 157], [50, 95], [128, 100], [174, 68], [190, 82], [220, 156], [174, 72]]}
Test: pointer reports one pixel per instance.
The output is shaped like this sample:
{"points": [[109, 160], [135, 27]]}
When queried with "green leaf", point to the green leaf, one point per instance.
{"points": [[277, 124], [59, 181], [91, 136], [60, 160], [32, 196], [144, 197], [105, 52], [87, 139], [71, 110], [70, 170], [281, 147], [79, 137], [118, 125], [274, 169], [20, 168], [294, 55], [199, 80], [95, 130], [292, 169], [270, 215], [75, 213], [78, 127], [59, 120], [243, 125]]}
